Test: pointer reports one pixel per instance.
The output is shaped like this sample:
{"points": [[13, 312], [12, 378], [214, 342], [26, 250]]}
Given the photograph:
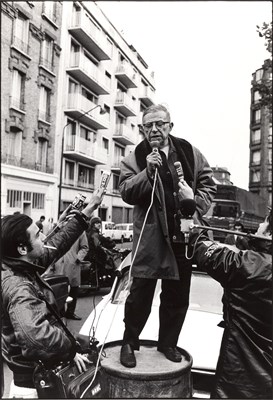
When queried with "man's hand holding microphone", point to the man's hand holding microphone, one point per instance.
{"points": [[153, 159]]}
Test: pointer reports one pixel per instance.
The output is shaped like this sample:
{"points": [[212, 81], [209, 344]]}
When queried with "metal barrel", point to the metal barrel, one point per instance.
{"points": [[153, 377]]}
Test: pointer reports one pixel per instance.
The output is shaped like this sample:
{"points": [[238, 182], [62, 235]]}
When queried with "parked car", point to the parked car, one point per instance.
{"points": [[126, 231], [201, 334]]}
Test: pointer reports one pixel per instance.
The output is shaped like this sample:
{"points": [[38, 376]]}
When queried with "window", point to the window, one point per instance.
{"points": [[257, 96], [27, 196], [41, 158], [119, 153], [14, 147], [270, 134], [256, 157], [256, 136], [50, 10], [105, 143], [270, 176], [86, 177], [44, 104], [107, 111], [17, 89], [74, 55], [115, 183], [257, 115], [89, 96], [69, 168], [21, 32], [72, 94], [47, 52], [255, 176], [259, 75], [70, 136], [38, 200], [85, 134], [269, 156], [14, 198], [120, 121]]}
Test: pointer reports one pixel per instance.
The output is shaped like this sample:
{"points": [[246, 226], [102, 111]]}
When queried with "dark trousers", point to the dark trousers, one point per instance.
{"points": [[71, 306], [174, 302]]}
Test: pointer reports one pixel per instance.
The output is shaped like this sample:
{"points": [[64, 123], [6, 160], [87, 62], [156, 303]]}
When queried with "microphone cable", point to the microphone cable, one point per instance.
{"points": [[126, 287]]}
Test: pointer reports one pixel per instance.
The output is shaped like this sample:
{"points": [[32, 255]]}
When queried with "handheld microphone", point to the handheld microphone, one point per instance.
{"points": [[155, 145], [179, 170], [187, 208]]}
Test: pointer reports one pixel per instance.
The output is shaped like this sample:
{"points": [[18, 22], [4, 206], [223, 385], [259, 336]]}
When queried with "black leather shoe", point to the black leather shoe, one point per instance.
{"points": [[72, 316], [127, 356], [171, 353]]}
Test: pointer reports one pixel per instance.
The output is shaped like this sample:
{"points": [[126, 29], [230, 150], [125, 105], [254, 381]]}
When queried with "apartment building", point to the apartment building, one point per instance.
{"points": [[260, 165], [30, 33], [104, 87]]}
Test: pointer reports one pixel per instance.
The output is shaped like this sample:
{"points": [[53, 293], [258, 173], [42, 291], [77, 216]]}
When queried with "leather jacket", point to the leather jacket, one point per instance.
{"points": [[29, 331], [244, 368]]}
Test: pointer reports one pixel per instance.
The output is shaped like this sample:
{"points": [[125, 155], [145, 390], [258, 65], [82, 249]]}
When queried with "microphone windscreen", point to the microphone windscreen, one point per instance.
{"points": [[187, 207]]}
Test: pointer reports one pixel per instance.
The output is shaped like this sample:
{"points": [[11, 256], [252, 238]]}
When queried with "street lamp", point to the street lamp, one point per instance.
{"points": [[102, 111]]}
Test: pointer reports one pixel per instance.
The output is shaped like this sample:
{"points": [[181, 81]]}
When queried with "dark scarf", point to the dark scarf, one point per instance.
{"points": [[184, 154]]}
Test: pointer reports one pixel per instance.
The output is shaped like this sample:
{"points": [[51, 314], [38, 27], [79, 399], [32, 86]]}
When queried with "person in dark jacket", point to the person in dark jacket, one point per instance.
{"points": [[160, 253], [244, 368], [236, 240], [30, 332]]}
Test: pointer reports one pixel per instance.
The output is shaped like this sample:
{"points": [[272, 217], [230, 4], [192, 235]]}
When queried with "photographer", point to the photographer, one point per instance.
{"points": [[30, 331]]}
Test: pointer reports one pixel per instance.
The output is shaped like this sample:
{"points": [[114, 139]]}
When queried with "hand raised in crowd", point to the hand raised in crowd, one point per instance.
{"points": [[94, 202]]}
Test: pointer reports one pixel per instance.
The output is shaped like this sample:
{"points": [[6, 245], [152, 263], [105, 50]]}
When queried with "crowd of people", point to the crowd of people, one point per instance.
{"points": [[148, 181]]}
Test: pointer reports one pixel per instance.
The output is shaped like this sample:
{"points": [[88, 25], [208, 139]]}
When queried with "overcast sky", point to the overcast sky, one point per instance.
{"points": [[203, 55]]}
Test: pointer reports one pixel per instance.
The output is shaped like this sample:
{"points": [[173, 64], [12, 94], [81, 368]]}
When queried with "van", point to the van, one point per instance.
{"points": [[126, 231]]}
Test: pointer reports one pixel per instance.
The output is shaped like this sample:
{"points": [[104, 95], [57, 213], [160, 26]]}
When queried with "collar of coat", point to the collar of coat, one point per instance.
{"points": [[184, 155], [19, 265]]}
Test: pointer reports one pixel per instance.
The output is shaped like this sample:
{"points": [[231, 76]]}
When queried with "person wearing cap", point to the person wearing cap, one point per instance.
{"points": [[30, 331], [161, 251]]}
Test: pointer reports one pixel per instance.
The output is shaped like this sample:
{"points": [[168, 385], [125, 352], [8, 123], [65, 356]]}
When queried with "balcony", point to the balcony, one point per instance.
{"points": [[89, 36], [84, 71], [124, 135], [116, 164], [126, 75], [146, 95], [125, 105], [82, 150], [78, 105]]}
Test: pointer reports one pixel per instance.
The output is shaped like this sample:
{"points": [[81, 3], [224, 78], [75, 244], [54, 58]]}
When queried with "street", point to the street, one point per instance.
{"points": [[84, 307]]}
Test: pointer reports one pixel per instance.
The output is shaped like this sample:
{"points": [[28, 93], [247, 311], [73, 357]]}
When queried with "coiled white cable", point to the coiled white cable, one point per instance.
{"points": [[128, 282]]}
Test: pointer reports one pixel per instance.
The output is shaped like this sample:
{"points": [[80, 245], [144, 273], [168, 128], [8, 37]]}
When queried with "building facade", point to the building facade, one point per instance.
{"points": [[75, 91], [29, 65], [260, 164], [104, 86]]}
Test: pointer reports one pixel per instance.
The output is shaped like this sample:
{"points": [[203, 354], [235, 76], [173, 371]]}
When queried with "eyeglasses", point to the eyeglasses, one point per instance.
{"points": [[158, 124]]}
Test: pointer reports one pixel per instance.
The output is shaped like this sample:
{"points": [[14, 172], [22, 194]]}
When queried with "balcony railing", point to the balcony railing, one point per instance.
{"points": [[126, 75], [95, 42], [68, 181], [95, 78], [125, 104], [85, 148], [117, 161], [85, 185], [146, 95], [78, 105], [124, 135], [20, 44]]}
